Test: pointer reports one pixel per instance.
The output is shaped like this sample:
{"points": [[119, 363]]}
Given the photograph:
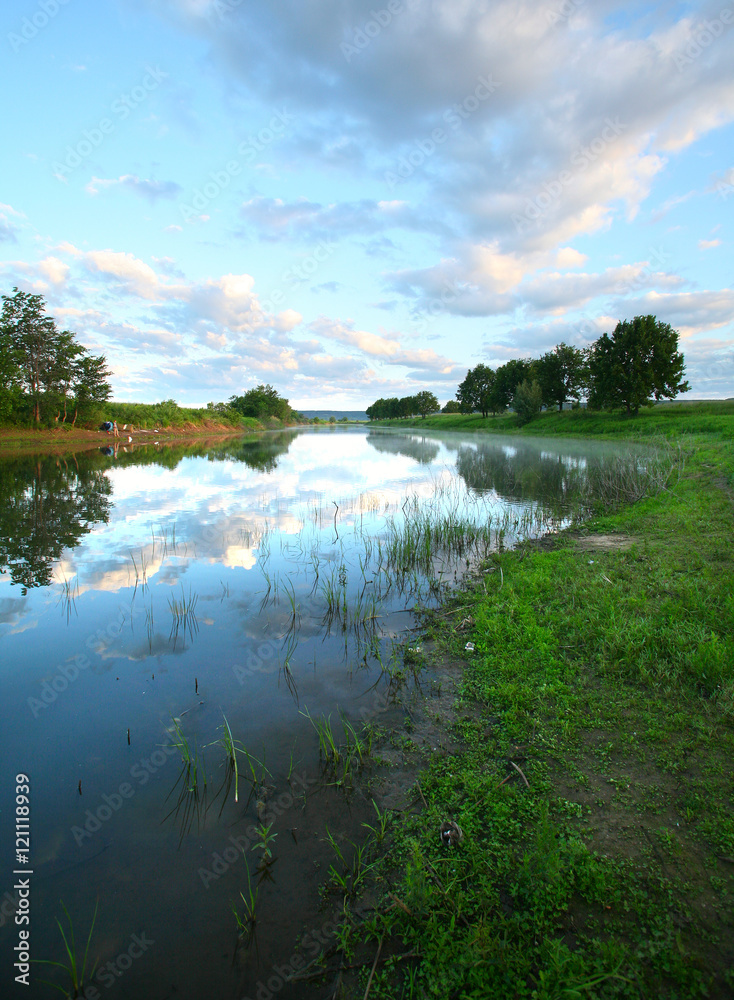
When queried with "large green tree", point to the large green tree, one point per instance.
{"points": [[506, 380], [261, 402], [44, 367], [425, 403], [35, 342], [562, 374], [89, 384], [638, 363], [475, 392]]}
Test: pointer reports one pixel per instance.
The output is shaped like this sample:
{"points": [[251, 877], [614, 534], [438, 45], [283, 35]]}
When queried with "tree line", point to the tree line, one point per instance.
{"points": [[423, 403], [639, 362], [45, 374]]}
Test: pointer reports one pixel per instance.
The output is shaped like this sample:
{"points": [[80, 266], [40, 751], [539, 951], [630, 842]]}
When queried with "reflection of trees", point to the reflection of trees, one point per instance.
{"points": [[49, 503], [420, 449], [523, 474], [260, 452], [46, 505]]}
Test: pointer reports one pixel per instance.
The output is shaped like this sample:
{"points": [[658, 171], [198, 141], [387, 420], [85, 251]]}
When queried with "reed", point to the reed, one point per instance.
{"points": [[76, 974]]}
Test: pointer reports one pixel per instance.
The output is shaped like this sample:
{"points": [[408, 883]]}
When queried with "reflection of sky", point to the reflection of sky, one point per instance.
{"points": [[238, 531]]}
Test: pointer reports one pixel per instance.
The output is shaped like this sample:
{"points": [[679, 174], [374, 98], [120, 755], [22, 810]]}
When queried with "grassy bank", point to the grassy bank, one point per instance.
{"points": [[593, 783], [666, 419]]}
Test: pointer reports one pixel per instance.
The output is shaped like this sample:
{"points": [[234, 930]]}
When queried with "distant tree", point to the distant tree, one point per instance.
{"points": [[452, 406], [527, 400], [562, 374], [425, 403], [639, 361], [261, 402]]}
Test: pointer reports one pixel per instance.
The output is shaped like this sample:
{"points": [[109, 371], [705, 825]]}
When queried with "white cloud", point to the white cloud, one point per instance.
{"points": [[152, 190]]}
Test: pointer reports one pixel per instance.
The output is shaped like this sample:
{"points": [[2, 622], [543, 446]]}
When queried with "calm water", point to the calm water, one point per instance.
{"points": [[149, 594]]}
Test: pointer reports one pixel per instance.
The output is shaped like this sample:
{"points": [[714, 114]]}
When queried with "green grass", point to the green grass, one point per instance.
{"points": [[607, 677], [671, 419], [77, 976]]}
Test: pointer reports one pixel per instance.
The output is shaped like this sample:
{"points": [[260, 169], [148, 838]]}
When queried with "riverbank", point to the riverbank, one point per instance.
{"points": [[66, 440], [586, 759], [665, 419]]}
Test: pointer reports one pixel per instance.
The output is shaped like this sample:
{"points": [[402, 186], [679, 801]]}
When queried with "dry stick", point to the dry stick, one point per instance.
{"points": [[401, 904], [374, 966], [520, 773], [421, 794]]}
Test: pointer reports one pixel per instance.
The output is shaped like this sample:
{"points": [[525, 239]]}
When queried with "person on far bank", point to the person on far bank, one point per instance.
{"points": [[115, 431]]}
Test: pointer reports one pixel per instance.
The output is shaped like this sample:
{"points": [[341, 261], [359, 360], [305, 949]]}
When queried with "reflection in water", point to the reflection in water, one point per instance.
{"points": [[268, 580], [523, 472], [421, 449], [46, 504]]}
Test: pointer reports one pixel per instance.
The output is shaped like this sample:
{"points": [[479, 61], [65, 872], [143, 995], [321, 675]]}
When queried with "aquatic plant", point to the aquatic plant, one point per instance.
{"points": [[76, 975]]}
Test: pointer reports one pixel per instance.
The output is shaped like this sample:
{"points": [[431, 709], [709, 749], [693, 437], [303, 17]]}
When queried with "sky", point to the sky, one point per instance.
{"points": [[351, 200]]}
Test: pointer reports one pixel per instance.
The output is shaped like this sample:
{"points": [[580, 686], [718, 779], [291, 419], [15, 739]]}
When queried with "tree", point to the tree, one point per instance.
{"points": [[89, 385], [506, 380], [44, 364], [562, 374], [11, 390], [261, 402], [475, 392], [452, 406], [34, 341], [425, 403], [527, 400], [640, 360]]}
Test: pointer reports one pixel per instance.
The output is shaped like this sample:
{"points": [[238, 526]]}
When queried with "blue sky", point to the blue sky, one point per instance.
{"points": [[354, 199]]}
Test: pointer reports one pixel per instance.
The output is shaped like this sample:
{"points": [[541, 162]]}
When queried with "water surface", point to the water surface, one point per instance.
{"points": [[146, 595]]}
